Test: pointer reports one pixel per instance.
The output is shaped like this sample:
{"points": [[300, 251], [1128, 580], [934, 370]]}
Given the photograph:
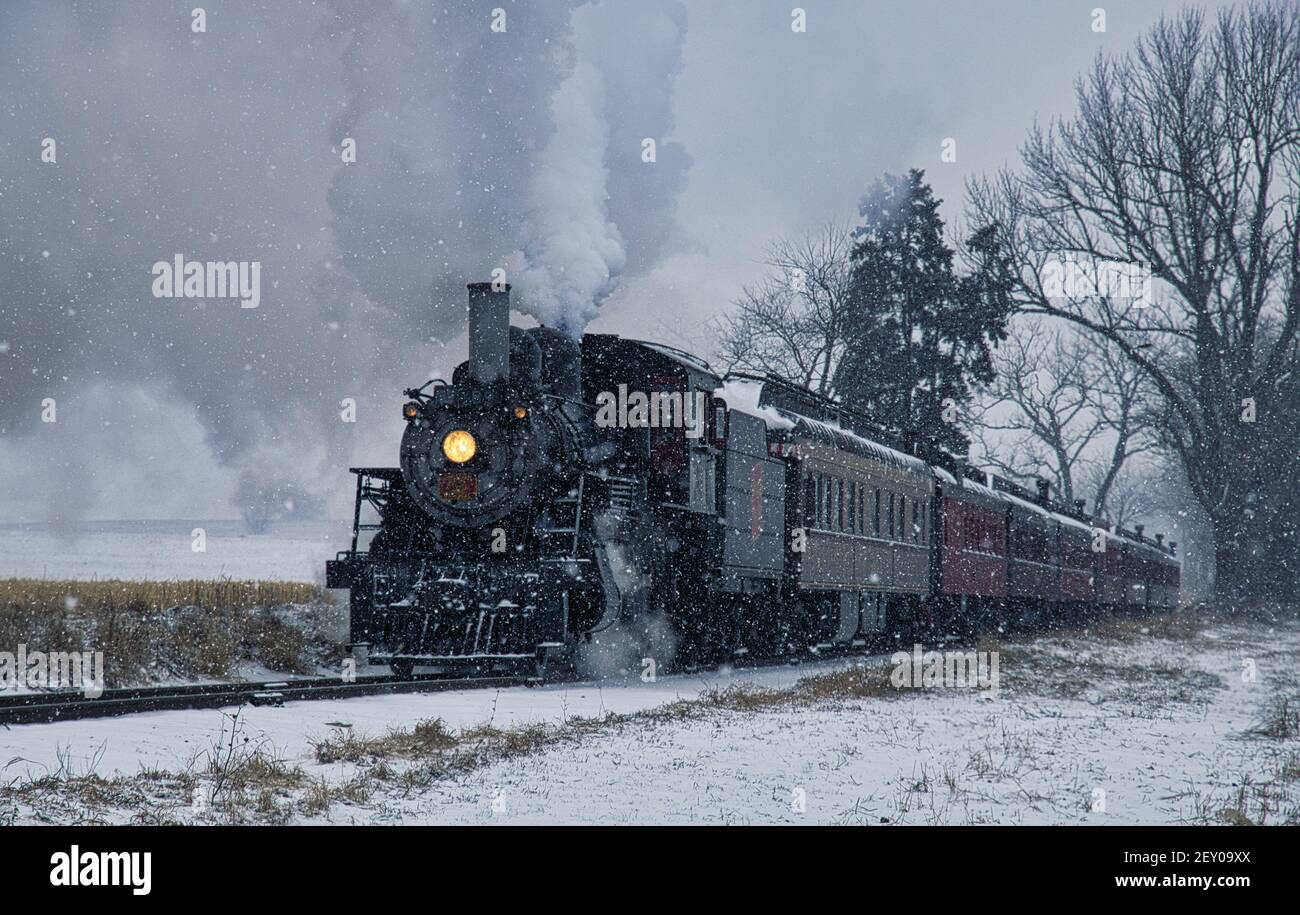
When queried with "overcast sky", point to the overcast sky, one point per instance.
{"points": [[474, 149]]}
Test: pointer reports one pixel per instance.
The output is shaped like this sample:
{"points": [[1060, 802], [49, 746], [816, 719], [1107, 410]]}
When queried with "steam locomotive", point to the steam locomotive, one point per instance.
{"points": [[589, 504]]}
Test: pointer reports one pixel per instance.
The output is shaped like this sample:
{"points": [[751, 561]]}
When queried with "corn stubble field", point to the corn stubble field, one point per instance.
{"points": [[154, 631]]}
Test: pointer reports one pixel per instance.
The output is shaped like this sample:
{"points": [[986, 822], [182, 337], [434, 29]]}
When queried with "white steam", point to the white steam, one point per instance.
{"points": [[474, 149], [572, 253], [595, 209]]}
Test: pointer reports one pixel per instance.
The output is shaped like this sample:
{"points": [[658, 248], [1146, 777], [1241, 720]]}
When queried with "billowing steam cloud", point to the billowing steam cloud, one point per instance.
{"points": [[475, 149], [572, 253], [596, 207]]}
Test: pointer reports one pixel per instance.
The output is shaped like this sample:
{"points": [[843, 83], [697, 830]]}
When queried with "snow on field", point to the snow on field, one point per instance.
{"points": [[1086, 730], [153, 550], [166, 739], [1151, 731], [1111, 756]]}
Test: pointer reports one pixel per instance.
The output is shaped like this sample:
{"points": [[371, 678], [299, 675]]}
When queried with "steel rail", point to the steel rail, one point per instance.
{"points": [[45, 707]]}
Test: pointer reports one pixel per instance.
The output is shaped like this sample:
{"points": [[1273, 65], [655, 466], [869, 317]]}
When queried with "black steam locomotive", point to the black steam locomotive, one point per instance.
{"points": [[592, 504]]}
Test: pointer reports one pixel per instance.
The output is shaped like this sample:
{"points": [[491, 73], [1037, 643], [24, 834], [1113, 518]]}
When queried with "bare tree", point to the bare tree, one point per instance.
{"points": [[1036, 418], [1063, 408], [1184, 161], [1122, 397], [792, 322], [1131, 492]]}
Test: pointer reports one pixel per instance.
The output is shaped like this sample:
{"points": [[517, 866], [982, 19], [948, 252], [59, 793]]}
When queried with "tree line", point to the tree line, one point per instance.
{"points": [[1131, 288]]}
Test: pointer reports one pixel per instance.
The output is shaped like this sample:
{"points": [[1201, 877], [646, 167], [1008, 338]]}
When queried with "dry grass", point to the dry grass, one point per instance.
{"points": [[51, 595], [1176, 627], [438, 752], [1187, 624], [1079, 673], [426, 738], [154, 630], [430, 740], [1273, 799], [95, 800], [321, 795], [1082, 661], [239, 779], [1280, 719]]}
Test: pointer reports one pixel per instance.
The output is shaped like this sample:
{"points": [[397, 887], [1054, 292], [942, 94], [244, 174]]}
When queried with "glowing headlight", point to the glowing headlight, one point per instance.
{"points": [[459, 446]]}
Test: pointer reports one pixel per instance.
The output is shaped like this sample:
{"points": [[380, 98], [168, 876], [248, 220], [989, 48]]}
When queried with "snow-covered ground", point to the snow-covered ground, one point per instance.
{"points": [[1095, 730], [152, 550], [164, 739]]}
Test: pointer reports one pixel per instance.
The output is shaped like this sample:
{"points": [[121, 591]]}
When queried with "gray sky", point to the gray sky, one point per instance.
{"points": [[786, 130], [475, 149]]}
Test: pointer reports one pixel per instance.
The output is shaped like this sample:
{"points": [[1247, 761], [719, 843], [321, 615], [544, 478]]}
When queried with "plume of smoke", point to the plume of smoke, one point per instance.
{"points": [[622, 650], [449, 118], [164, 146], [593, 191], [645, 633], [572, 253]]}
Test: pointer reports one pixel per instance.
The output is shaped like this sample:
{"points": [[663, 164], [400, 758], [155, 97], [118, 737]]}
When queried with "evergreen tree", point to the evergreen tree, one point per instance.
{"points": [[919, 334]]}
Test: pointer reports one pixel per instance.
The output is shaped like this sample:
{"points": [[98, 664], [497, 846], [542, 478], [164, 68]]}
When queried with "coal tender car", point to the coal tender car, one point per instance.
{"points": [[601, 504]]}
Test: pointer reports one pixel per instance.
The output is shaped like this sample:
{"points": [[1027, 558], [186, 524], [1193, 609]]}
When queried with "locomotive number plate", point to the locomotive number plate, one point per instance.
{"points": [[457, 487]]}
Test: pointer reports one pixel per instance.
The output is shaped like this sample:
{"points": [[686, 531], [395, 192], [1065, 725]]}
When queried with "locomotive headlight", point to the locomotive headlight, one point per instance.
{"points": [[521, 412], [459, 446], [411, 410]]}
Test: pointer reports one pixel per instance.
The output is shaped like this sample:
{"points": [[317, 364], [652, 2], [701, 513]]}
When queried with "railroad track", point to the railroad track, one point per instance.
{"points": [[35, 708], [46, 707]]}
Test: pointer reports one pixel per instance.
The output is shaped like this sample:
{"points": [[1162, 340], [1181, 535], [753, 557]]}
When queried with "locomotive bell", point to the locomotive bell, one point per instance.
{"points": [[489, 332]]}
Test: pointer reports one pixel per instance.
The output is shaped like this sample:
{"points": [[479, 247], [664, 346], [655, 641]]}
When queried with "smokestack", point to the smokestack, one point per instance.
{"points": [[1139, 528], [1079, 506], [1160, 539], [1043, 490], [1173, 546], [489, 332]]}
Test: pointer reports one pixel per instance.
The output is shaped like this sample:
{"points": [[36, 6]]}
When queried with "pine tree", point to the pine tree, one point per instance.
{"points": [[919, 334]]}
